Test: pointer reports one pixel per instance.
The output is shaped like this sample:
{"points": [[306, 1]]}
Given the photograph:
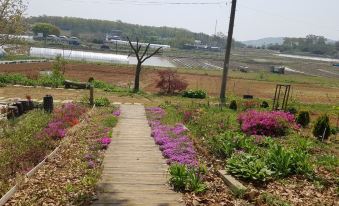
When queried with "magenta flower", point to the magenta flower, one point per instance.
{"points": [[266, 123], [117, 113]]}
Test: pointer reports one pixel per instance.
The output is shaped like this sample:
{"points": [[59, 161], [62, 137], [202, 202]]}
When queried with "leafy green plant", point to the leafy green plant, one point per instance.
{"points": [[197, 94], [194, 182], [233, 105], [224, 145], [285, 162], [102, 102], [183, 178], [322, 129], [303, 118], [279, 160], [178, 177], [249, 167]]}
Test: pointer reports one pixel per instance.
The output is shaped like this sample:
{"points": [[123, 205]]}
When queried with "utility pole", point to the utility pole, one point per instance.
{"points": [[227, 54]]}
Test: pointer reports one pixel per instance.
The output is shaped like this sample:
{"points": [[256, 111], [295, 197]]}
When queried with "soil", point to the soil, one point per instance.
{"points": [[124, 76]]}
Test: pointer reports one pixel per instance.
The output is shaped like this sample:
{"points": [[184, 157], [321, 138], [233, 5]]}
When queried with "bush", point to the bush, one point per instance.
{"points": [[102, 102], [322, 129], [197, 94], [170, 82], [249, 167], [233, 105], [264, 104], [292, 110], [303, 118], [266, 123]]}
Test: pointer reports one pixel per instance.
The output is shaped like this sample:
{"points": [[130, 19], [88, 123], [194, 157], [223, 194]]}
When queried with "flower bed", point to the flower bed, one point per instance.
{"points": [[70, 177], [29, 141], [186, 173], [174, 144]]}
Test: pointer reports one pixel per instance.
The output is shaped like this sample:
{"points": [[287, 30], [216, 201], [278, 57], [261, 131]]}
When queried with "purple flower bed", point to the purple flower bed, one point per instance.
{"points": [[266, 123], [175, 146]]}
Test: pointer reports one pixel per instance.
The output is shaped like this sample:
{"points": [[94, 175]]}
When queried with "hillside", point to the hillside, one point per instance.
{"points": [[264, 41], [93, 30]]}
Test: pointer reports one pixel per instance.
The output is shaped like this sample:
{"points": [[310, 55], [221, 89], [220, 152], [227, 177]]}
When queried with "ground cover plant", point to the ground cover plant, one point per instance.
{"points": [[186, 173], [27, 140], [70, 177], [268, 151]]}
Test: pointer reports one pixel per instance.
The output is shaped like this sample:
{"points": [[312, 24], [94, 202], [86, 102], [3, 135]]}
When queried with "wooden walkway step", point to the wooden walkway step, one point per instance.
{"points": [[135, 173]]}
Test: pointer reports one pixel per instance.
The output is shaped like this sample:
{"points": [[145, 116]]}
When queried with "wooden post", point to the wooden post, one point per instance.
{"points": [[91, 94]]}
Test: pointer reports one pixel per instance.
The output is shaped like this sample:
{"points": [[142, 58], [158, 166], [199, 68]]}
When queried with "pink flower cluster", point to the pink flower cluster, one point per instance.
{"points": [[117, 113], [66, 116], [55, 130], [105, 141], [266, 123], [175, 146]]}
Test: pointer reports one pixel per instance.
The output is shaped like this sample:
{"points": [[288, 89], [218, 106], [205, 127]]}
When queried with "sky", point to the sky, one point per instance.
{"points": [[254, 18]]}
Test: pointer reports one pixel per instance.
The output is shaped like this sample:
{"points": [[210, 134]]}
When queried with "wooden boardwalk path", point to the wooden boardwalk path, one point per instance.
{"points": [[135, 173]]}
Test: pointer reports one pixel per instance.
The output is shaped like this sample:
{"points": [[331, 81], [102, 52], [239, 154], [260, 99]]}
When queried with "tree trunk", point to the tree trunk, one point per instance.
{"points": [[137, 78]]}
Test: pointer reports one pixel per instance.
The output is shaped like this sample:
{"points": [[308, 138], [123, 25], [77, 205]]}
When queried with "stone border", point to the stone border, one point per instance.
{"points": [[231, 182]]}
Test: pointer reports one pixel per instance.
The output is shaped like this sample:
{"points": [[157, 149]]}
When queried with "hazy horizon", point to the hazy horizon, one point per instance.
{"points": [[255, 19]]}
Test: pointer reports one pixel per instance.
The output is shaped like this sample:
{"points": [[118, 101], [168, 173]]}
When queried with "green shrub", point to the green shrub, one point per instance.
{"points": [[233, 105], [322, 129], [292, 110], [197, 94], [16, 79], [249, 167], [303, 118], [102, 102], [186, 179], [2, 84], [264, 104]]}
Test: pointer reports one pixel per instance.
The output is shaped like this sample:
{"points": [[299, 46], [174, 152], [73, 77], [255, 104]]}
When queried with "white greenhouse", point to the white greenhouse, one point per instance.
{"points": [[78, 55]]}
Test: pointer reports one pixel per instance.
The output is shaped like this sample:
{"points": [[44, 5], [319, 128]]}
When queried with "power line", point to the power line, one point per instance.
{"points": [[135, 2]]}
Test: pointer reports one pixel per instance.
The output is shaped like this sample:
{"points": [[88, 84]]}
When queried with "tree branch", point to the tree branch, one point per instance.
{"points": [[147, 47], [134, 49], [154, 53]]}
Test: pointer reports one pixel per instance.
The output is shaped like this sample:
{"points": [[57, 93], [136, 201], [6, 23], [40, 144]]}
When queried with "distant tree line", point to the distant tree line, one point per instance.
{"points": [[95, 30], [317, 45]]}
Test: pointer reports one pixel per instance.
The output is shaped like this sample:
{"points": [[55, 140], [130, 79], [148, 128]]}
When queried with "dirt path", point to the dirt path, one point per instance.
{"points": [[135, 173]]}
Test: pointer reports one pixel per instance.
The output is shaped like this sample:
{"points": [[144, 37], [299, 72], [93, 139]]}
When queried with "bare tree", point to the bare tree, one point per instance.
{"points": [[141, 59], [11, 19]]}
